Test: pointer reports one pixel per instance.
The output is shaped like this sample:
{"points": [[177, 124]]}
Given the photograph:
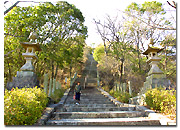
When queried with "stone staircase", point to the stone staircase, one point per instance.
{"points": [[96, 109]]}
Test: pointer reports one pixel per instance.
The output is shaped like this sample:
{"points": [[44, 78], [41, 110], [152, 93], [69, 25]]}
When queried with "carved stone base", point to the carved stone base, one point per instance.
{"points": [[24, 79], [155, 81]]}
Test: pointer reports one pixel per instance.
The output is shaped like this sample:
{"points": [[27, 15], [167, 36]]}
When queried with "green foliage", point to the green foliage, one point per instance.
{"points": [[121, 96], [153, 6], [162, 100], [23, 106], [168, 57], [58, 94], [132, 6], [98, 53]]}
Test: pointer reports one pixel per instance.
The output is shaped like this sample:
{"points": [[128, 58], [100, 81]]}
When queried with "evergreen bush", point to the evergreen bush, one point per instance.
{"points": [[23, 106], [162, 100], [58, 94], [121, 96]]}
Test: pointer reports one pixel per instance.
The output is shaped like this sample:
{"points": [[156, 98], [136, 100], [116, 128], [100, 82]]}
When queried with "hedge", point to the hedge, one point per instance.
{"points": [[162, 100], [23, 106]]}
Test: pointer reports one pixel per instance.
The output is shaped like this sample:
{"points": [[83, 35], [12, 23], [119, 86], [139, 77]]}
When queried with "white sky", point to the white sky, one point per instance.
{"points": [[98, 9]]}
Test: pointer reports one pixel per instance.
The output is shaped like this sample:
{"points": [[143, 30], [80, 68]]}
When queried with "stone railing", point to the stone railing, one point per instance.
{"points": [[122, 87], [50, 86], [53, 85]]}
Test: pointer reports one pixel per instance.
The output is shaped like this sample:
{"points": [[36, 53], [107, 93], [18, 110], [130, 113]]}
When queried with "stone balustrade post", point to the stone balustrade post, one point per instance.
{"points": [[130, 88], [46, 83], [50, 88], [124, 87], [54, 86], [118, 87]]}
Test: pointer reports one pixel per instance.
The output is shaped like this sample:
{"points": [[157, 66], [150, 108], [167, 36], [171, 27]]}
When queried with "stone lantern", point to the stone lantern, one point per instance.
{"points": [[26, 77], [29, 56], [153, 59], [156, 77]]}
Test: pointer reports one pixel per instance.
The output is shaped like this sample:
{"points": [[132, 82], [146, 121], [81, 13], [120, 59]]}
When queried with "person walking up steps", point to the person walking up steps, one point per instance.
{"points": [[77, 91]]}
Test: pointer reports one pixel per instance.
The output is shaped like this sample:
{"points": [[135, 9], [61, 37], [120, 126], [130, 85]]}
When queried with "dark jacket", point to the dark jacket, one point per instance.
{"points": [[77, 89]]}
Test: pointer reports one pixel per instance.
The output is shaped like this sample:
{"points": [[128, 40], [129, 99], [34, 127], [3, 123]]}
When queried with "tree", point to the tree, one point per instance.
{"points": [[99, 53], [144, 22], [168, 55], [115, 36], [152, 14], [58, 27]]}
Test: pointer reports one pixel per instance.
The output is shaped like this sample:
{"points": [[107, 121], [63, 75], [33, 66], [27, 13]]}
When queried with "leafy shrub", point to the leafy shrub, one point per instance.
{"points": [[23, 106], [58, 94], [162, 100], [122, 97]]}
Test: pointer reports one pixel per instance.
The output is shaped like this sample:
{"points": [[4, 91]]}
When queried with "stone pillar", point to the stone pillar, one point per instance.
{"points": [[50, 88], [46, 83], [118, 87], [98, 82], [115, 87], [65, 80], [57, 85], [124, 87], [121, 87], [156, 85], [54, 86], [130, 88]]}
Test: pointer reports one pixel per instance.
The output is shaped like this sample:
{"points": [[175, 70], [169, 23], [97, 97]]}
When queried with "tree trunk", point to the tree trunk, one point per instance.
{"points": [[9, 71], [105, 48], [70, 69], [52, 67], [121, 69], [165, 65], [56, 71], [121, 72], [139, 62]]}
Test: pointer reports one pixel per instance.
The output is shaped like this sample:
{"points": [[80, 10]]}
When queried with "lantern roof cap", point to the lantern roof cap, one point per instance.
{"points": [[36, 46], [152, 49]]}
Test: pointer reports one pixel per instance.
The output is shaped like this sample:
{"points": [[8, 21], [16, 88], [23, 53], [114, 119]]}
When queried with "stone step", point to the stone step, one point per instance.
{"points": [[91, 79], [85, 96], [108, 114], [72, 101], [90, 105], [91, 100], [94, 84], [94, 109], [105, 121]]}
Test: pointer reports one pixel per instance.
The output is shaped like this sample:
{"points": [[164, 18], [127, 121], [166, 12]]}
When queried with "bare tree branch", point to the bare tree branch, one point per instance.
{"points": [[174, 6], [12, 35], [5, 2], [5, 12], [15, 4]]}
